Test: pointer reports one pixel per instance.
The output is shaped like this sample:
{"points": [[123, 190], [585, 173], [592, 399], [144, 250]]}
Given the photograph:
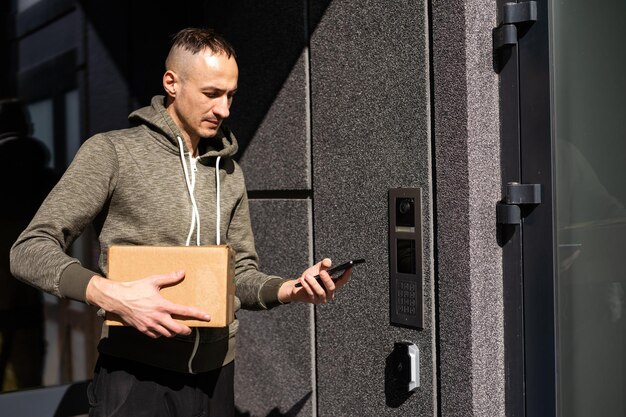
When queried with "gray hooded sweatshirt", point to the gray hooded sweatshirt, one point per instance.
{"points": [[131, 184]]}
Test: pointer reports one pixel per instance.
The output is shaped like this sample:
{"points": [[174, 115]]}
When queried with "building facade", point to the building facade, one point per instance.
{"points": [[517, 289]]}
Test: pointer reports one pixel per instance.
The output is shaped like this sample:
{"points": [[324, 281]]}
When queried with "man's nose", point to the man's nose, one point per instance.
{"points": [[222, 107]]}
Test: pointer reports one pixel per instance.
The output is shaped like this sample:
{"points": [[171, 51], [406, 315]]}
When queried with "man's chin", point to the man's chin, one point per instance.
{"points": [[210, 133]]}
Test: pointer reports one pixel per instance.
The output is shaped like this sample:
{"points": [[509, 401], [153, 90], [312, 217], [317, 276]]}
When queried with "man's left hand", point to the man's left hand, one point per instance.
{"points": [[311, 291]]}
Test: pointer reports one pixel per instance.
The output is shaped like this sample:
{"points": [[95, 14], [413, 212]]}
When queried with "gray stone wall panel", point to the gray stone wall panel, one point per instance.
{"points": [[278, 156], [450, 115], [370, 124], [274, 359], [468, 186]]}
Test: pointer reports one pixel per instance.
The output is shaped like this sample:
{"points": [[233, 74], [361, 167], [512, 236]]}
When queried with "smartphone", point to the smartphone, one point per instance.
{"points": [[336, 271]]}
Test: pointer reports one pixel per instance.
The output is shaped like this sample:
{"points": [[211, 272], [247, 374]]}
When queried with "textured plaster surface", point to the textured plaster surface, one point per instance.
{"points": [[370, 124], [273, 365], [468, 185], [278, 156]]}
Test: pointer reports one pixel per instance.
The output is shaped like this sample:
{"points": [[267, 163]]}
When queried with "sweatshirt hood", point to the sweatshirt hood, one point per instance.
{"points": [[157, 119]]}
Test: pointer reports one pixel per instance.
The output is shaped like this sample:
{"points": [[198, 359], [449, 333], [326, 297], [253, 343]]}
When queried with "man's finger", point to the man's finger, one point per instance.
{"points": [[325, 263], [186, 312], [317, 288], [166, 325], [151, 334], [172, 327], [162, 331], [168, 279], [327, 281], [344, 278], [307, 286]]}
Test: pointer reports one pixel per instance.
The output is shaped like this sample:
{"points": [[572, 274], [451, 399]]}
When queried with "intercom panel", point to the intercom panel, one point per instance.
{"points": [[405, 258]]}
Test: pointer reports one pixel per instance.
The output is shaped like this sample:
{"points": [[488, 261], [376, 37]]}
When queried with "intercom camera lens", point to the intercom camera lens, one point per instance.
{"points": [[405, 206]]}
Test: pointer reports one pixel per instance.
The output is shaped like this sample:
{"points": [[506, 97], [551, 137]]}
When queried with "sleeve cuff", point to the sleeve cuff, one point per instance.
{"points": [[74, 281], [269, 292]]}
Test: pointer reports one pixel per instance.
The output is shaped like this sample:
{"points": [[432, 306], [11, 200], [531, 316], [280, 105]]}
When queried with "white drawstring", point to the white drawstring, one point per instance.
{"points": [[195, 217], [217, 200], [196, 343], [191, 182]]}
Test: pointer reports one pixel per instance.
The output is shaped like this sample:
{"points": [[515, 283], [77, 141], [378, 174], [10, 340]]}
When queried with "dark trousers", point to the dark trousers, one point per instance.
{"points": [[126, 388]]}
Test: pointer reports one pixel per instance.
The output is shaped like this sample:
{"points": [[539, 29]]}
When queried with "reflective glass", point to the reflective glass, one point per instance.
{"points": [[590, 131]]}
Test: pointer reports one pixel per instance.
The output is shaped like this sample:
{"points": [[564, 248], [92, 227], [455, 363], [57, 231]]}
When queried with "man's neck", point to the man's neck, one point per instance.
{"points": [[190, 142], [192, 145]]}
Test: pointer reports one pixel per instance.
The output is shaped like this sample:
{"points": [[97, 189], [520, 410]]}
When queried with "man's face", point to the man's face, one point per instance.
{"points": [[204, 91]]}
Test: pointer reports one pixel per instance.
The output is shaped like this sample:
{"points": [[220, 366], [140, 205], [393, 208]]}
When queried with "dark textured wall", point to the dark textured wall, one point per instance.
{"points": [[107, 86], [370, 124], [270, 112], [278, 156], [368, 131], [49, 42], [468, 185], [274, 357]]}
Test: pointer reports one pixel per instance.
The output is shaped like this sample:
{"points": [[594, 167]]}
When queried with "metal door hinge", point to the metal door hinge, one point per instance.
{"points": [[513, 15], [509, 211]]}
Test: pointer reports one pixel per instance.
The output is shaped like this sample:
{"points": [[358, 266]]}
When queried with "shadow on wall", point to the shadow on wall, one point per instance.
{"points": [[395, 391], [269, 38], [275, 412], [25, 180]]}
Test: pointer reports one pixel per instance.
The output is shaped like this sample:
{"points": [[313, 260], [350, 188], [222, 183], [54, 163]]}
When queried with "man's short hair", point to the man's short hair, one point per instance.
{"points": [[196, 40]]}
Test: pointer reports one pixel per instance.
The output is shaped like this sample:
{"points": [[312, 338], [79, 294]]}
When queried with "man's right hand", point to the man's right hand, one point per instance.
{"points": [[140, 304]]}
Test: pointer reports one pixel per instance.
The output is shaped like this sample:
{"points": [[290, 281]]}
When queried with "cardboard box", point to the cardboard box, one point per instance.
{"points": [[208, 284]]}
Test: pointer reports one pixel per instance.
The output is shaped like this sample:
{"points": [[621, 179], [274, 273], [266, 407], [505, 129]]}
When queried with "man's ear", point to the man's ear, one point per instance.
{"points": [[170, 83]]}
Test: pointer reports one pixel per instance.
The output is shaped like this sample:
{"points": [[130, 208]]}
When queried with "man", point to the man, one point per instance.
{"points": [[169, 180]]}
